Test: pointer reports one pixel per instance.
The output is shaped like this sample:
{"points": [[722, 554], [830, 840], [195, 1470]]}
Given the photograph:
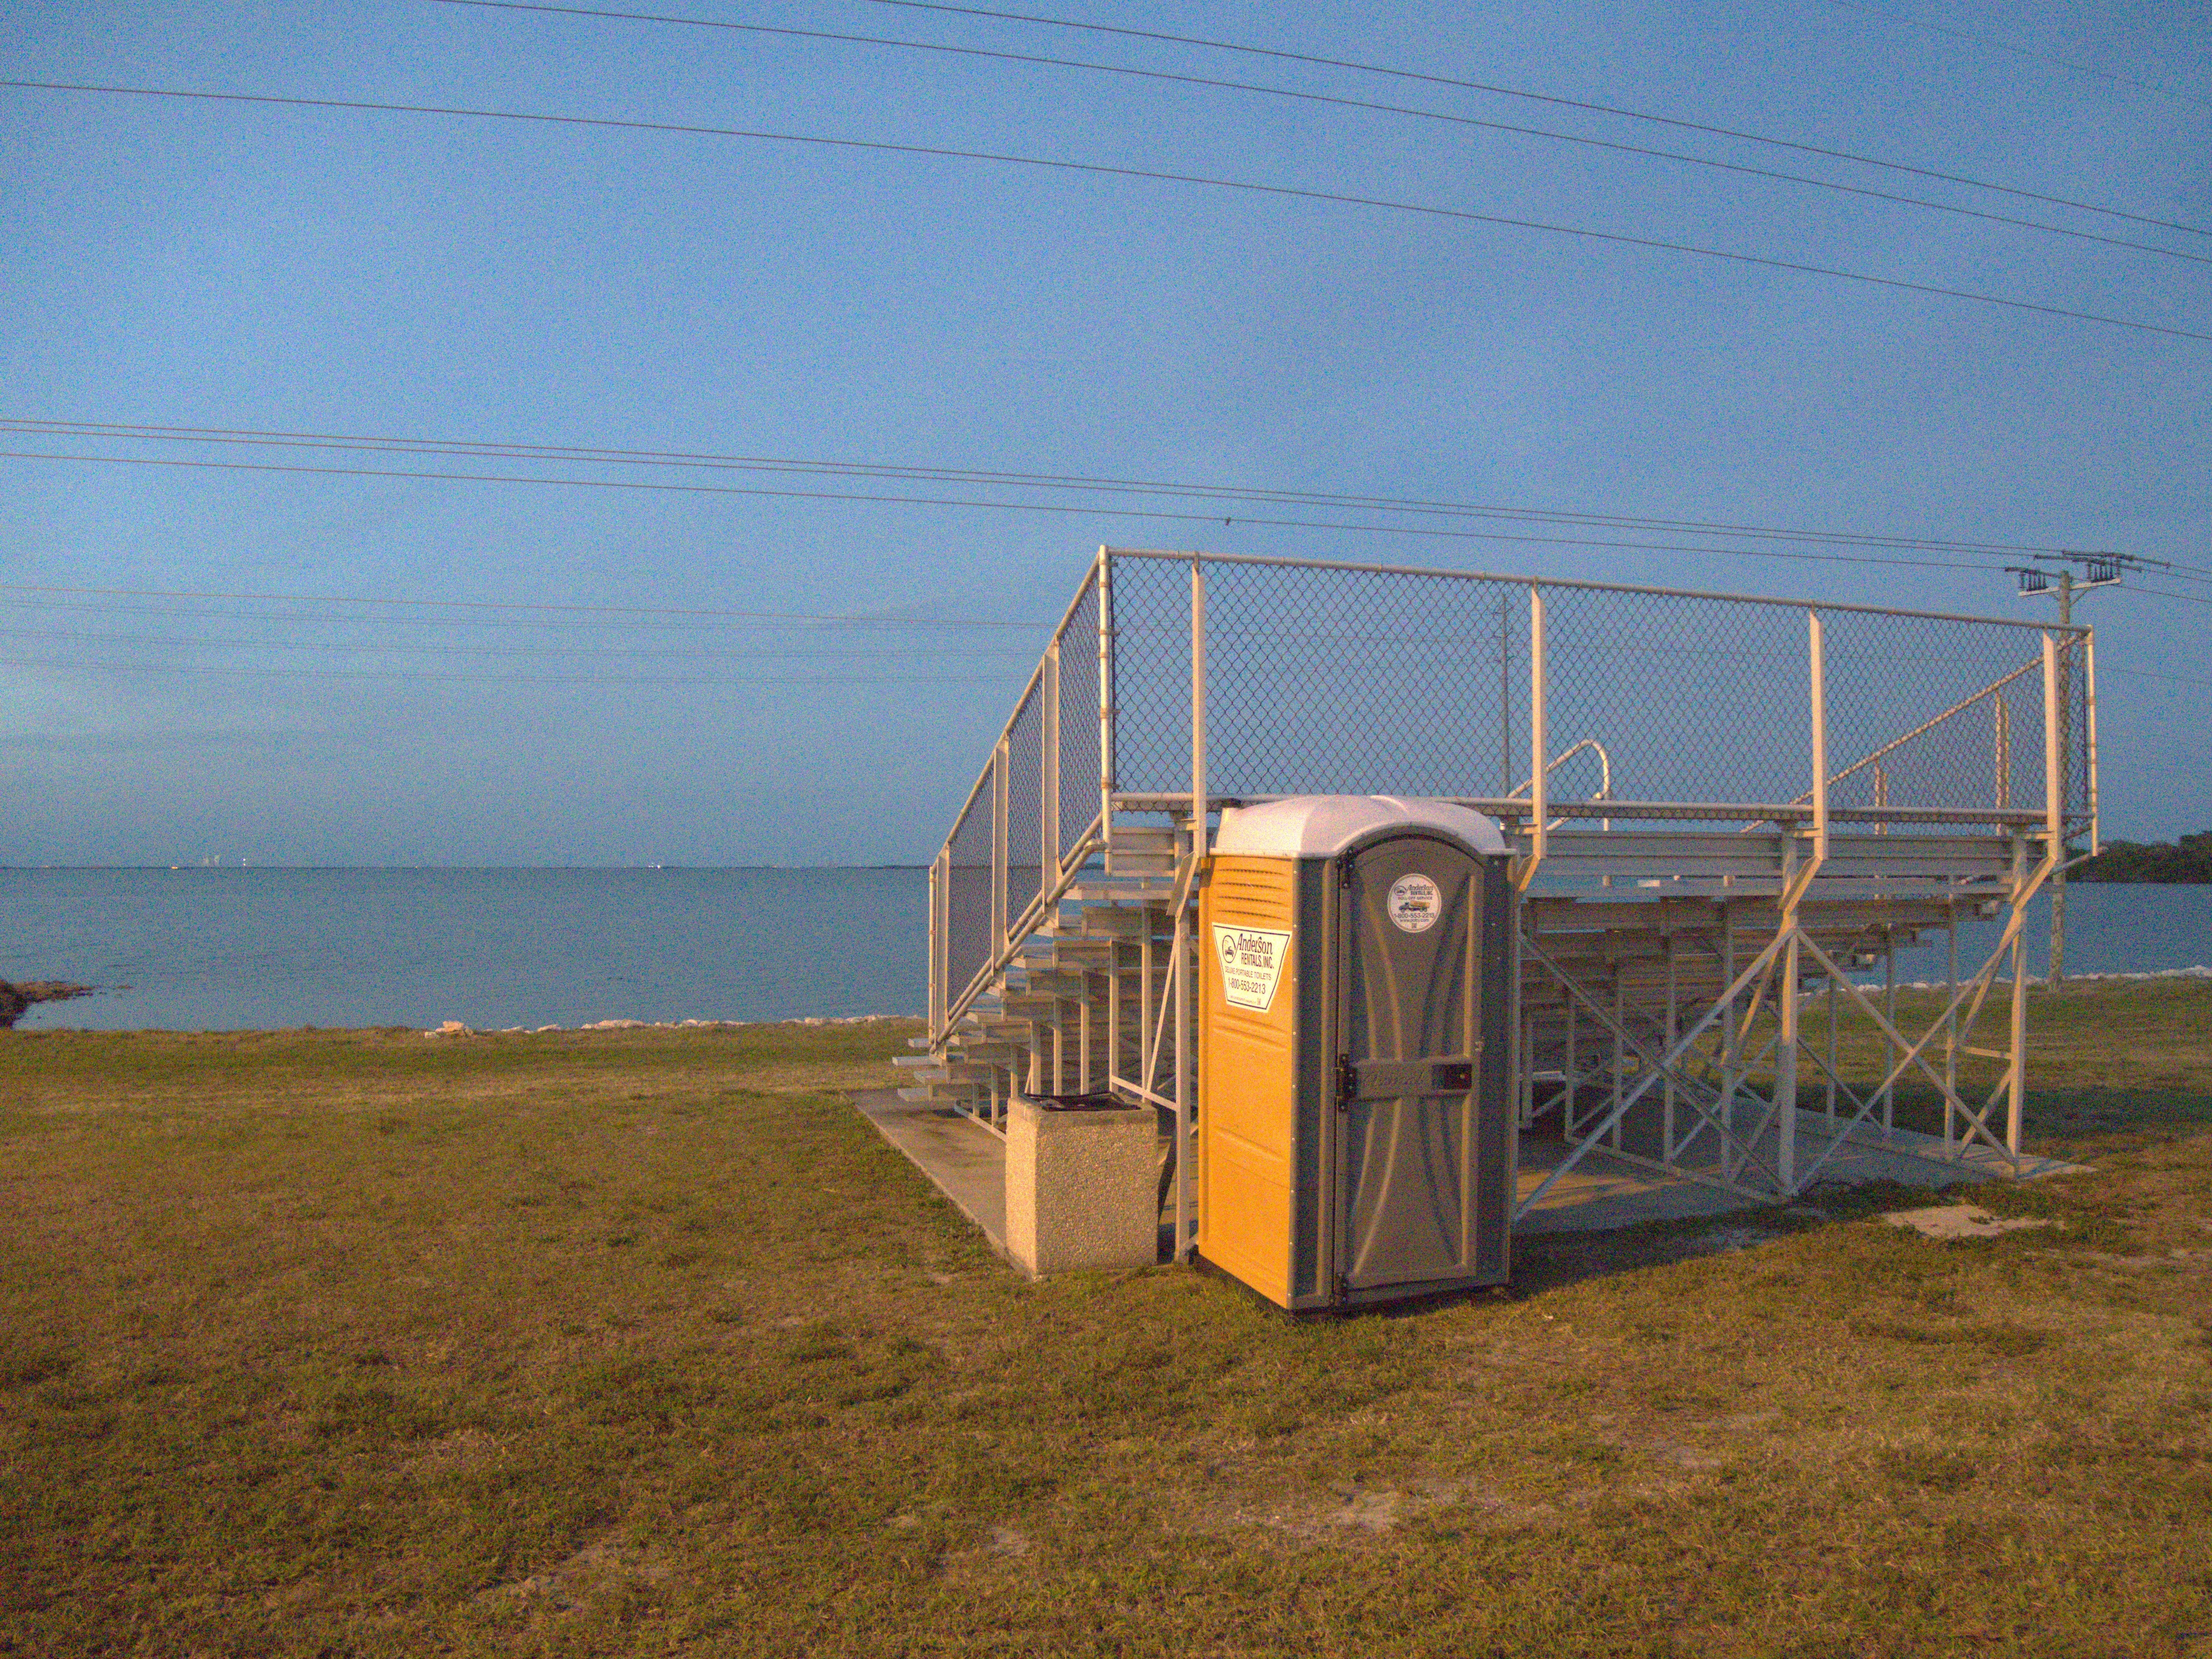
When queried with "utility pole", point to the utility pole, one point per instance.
{"points": [[2098, 570], [2057, 978]]}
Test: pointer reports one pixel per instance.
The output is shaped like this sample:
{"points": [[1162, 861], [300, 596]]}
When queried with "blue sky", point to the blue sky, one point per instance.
{"points": [[309, 271]]}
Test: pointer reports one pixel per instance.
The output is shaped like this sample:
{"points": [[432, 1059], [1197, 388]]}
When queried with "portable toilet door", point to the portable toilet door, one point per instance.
{"points": [[1422, 1144], [1354, 1140]]}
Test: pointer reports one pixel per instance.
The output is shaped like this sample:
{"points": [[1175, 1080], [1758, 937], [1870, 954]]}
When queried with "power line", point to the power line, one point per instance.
{"points": [[1540, 98], [387, 646], [1085, 509], [848, 621], [1212, 84], [1660, 526], [2160, 593], [2017, 52], [2174, 565], [1100, 170], [483, 449], [2145, 674], [495, 679], [2176, 573], [111, 608]]}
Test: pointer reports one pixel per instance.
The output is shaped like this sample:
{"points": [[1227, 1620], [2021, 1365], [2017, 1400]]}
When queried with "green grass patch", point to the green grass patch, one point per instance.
{"points": [[355, 1343]]}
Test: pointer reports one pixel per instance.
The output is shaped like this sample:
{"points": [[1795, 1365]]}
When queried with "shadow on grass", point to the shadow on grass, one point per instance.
{"points": [[2078, 1126], [2074, 1123]]}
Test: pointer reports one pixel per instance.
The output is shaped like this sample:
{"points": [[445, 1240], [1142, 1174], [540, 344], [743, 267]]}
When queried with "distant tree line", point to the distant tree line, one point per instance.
{"points": [[2188, 859]]}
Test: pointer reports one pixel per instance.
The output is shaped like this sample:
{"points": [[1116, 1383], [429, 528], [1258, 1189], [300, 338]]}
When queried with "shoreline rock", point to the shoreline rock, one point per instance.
{"points": [[2200, 971], [17, 997], [454, 1028]]}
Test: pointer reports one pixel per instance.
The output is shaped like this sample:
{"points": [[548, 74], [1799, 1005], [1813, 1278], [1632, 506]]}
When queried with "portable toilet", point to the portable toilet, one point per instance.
{"points": [[1354, 1136]]}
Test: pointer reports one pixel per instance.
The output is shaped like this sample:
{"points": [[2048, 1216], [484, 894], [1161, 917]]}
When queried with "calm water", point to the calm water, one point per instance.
{"points": [[2110, 928], [211, 950]]}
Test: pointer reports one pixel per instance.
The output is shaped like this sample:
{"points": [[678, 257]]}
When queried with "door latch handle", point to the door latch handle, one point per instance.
{"points": [[1397, 1080]]}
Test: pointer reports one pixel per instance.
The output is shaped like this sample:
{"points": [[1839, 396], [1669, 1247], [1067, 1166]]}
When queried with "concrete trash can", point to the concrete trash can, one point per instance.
{"points": [[1082, 1183]]}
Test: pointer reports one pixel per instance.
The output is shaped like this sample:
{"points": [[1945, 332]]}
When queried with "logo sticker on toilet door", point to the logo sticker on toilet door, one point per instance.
{"points": [[1414, 903], [1251, 965]]}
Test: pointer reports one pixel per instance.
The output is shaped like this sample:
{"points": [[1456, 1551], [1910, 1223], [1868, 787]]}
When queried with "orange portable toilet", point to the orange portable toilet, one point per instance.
{"points": [[1354, 1136]]}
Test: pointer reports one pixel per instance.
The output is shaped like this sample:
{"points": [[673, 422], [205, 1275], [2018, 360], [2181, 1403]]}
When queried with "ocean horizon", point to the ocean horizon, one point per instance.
{"points": [[195, 947], [209, 865], [201, 947]]}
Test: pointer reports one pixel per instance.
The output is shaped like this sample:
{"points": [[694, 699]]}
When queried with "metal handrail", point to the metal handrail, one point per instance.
{"points": [[1092, 840], [1604, 778], [1925, 726]]}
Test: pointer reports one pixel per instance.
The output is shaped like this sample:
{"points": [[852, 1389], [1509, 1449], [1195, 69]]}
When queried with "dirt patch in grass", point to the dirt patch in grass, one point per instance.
{"points": [[1349, 1514], [608, 1566], [640, 1342]]}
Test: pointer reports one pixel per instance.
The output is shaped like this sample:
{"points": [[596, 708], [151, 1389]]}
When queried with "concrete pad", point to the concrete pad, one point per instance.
{"points": [[1958, 1221], [965, 1160], [1602, 1193], [968, 1164]]}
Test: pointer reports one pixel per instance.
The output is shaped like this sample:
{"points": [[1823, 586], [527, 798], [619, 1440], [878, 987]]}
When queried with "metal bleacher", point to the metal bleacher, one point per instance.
{"points": [[1725, 811]]}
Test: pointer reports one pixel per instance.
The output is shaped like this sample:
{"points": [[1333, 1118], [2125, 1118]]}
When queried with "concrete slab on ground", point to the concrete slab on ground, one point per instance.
{"points": [[965, 1160], [1602, 1193], [1949, 1221], [968, 1164]]}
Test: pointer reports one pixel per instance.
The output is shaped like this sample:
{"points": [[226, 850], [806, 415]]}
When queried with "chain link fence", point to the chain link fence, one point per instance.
{"points": [[1025, 826], [1033, 816], [1081, 733], [1691, 699], [1326, 679], [966, 867], [1151, 674], [1935, 713], [1343, 679]]}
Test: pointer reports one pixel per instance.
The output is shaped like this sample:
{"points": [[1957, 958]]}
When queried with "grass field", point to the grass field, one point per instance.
{"points": [[356, 1343]]}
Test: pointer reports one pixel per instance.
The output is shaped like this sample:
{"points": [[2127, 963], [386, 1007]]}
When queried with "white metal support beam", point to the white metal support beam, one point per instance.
{"points": [[1817, 666], [1105, 579], [1796, 883], [1048, 823], [1539, 762], [998, 917], [936, 1012], [1657, 1067], [1786, 1004], [1911, 1052], [2089, 693], [1200, 801], [1186, 1072], [1179, 969]]}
